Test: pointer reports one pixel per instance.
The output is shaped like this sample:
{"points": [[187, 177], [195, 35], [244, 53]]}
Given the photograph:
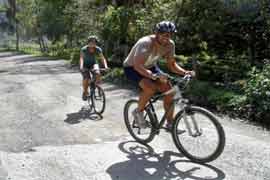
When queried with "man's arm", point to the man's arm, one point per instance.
{"points": [[174, 67], [81, 61], [103, 61], [139, 66]]}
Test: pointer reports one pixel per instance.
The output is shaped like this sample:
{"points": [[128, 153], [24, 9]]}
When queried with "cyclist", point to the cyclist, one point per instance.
{"points": [[141, 67], [88, 61]]}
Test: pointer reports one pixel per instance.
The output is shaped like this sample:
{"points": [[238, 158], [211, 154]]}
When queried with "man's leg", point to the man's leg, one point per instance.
{"points": [[167, 101], [148, 90], [85, 84], [98, 77], [97, 73]]}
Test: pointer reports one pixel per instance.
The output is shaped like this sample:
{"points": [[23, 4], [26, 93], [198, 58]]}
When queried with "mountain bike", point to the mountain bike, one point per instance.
{"points": [[96, 98], [196, 131]]}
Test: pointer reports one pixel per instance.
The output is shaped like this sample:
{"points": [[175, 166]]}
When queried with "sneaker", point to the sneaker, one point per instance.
{"points": [[139, 119], [169, 128], [84, 96]]}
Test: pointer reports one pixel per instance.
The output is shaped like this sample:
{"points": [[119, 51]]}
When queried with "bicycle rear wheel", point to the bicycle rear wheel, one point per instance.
{"points": [[98, 99], [204, 140], [143, 136]]}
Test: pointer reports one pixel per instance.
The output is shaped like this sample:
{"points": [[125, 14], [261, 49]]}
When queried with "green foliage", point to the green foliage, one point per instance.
{"points": [[116, 75], [207, 94], [257, 91], [3, 8], [115, 23], [82, 18], [75, 56], [226, 69], [59, 50], [254, 102], [31, 48]]}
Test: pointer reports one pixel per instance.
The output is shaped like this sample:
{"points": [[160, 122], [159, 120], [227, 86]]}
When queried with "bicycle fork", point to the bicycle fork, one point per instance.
{"points": [[192, 126]]}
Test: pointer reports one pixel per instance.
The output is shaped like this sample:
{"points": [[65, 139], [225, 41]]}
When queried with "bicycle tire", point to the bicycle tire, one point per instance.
{"points": [[220, 135], [94, 99], [130, 127]]}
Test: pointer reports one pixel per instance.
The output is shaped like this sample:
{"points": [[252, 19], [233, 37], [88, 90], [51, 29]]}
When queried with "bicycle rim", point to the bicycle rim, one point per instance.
{"points": [[89, 100], [202, 144], [143, 136]]}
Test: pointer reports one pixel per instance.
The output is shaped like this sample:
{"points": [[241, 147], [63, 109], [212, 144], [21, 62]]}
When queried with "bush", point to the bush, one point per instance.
{"points": [[74, 56], [206, 94], [59, 50], [257, 91], [116, 75]]}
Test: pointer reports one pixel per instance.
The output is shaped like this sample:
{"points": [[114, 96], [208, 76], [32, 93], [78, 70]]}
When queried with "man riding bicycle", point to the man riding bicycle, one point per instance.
{"points": [[141, 67], [88, 61]]}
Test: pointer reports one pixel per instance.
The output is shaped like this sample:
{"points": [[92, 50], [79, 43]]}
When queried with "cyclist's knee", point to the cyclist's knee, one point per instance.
{"points": [[163, 87], [168, 99], [148, 86]]}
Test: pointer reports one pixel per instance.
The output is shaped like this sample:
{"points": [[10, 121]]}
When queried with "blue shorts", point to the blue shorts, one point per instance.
{"points": [[134, 75]]}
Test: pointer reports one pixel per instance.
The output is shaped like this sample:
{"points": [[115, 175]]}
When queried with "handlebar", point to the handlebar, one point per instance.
{"points": [[93, 70], [179, 81]]}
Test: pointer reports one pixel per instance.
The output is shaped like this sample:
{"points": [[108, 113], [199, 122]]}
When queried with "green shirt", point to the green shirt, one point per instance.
{"points": [[90, 58]]}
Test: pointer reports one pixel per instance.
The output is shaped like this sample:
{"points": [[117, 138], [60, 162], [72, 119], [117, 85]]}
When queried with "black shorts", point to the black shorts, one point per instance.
{"points": [[134, 75], [86, 73]]}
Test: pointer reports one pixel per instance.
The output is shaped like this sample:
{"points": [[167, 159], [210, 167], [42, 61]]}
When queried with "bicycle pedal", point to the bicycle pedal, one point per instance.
{"points": [[196, 134]]}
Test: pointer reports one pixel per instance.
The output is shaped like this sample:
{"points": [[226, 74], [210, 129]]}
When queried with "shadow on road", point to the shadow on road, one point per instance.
{"points": [[83, 114], [3, 71], [144, 163]]}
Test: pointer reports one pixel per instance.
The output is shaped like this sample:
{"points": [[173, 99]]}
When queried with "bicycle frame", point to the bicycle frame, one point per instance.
{"points": [[184, 108], [92, 81], [92, 87], [150, 106]]}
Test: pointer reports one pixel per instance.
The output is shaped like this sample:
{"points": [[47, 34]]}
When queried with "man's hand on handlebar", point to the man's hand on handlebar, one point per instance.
{"points": [[82, 69], [161, 77], [191, 73]]}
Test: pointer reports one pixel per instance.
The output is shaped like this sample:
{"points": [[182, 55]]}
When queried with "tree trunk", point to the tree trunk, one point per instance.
{"points": [[13, 9], [17, 37], [41, 44]]}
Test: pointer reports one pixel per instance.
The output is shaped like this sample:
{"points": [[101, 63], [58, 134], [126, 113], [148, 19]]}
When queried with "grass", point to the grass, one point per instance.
{"points": [[33, 49]]}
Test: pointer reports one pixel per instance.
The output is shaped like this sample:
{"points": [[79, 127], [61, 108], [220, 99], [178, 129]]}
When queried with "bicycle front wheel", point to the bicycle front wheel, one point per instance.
{"points": [[98, 99], [142, 136], [198, 134]]}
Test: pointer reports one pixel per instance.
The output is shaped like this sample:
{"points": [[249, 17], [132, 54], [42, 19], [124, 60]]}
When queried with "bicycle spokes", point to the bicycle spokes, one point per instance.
{"points": [[142, 135], [191, 124], [204, 140], [97, 99]]}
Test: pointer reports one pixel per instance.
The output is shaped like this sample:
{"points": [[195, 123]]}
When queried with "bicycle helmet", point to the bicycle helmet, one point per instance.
{"points": [[165, 26], [92, 39]]}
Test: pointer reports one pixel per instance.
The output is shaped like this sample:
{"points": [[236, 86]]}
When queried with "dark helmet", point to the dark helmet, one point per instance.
{"points": [[92, 39], [165, 26]]}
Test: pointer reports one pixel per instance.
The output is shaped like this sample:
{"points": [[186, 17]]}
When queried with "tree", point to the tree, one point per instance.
{"points": [[11, 14]]}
